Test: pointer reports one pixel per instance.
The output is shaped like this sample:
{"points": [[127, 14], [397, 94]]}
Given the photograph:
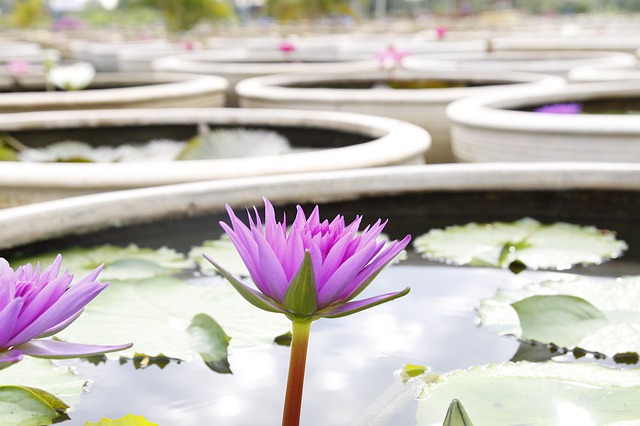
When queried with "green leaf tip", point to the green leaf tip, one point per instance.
{"points": [[457, 415]]}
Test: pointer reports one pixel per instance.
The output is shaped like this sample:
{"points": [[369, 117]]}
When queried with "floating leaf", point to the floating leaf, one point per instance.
{"points": [[121, 263], [210, 342], [561, 318], [535, 394], [128, 420], [516, 245], [222, 251], [24, 406], [42, 374], [615, 330], [156, 314], [234, 143], [77, 151]]}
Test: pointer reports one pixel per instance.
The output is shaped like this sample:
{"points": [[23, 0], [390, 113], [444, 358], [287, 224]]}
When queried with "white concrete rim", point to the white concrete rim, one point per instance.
{"points": [[273, 87], [34, 222], [393, 141], [485, 111]]}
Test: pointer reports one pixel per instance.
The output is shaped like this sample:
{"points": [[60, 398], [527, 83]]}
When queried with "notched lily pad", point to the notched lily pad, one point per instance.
{"points": [[600, 315], [175, 318], [525, 243], [535, 394], [222, 251], [25, 406], [121, 263], [233, 143]]}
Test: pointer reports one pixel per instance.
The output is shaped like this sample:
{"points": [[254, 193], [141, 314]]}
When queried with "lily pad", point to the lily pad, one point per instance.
{"points": [[222, 251], [596, 314], [128, 420], [24, 406], [157, 314], [43, 374], [525, 243], [121, 263], [542, 394], [234, 143]]}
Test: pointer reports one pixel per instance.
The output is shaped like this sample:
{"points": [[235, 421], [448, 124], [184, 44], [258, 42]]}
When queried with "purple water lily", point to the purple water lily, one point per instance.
{"points": [[314, 270], [36, 305], [328, 262], [566, 108]]}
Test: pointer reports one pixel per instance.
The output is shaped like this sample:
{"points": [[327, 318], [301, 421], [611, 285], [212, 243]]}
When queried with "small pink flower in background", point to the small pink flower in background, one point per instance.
{"points": [[18, 67], [287, 47], [68, 23], [441, 32], [564, 108], [35, 305], [391, 57], [189, 45]]}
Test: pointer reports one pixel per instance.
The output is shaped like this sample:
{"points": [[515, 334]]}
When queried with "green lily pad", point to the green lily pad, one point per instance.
{"points": [[234, 143], [595, 314], [158, 314], [24, 406], [121, 263], [42, 374], [525, 243], [128, 420], [534, 394], [222, 251]]}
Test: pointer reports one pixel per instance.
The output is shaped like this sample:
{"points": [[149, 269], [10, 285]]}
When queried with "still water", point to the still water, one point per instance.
{"points": [[352, 361]]}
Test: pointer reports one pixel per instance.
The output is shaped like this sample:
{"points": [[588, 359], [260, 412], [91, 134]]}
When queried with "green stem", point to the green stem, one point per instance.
{"points": [[295, 382]]}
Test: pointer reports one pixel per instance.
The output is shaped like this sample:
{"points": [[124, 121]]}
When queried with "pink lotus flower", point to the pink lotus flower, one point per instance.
{"points": [[287, 47], [567, 108], [315, 269], [36, 305], [18, 67], [441, 32], [391, 57]]}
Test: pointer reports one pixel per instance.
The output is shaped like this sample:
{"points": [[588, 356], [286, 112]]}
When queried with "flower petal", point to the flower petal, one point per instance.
{"points": [[257, 299], [59, 327], [349, 308], [56, 349], [7, 358], [9, 319]]}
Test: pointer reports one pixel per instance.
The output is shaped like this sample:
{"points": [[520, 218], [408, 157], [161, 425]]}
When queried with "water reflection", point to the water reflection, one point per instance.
{"points": [[351, 361]]}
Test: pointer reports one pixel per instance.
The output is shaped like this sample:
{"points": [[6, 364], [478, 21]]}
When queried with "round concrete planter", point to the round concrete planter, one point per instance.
{"points": [[342, 141], [589, 193], [424, 107], [241, 64], [604, 72], [412, 45], [578, 42], [116, 90], [104, 54], [487, 128], [545, 62]]}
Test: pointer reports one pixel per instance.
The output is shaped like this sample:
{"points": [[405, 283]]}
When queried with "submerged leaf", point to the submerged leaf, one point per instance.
{"points": [[128, 420], [596, 314], [234, 143], [121, 263], [523, 243], [156, 314], [535, 394]]}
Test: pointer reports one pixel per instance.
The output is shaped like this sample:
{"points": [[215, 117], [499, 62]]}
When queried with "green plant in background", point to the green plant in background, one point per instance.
{"points": [[28, 13], [186, 14], [288, 10]]}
